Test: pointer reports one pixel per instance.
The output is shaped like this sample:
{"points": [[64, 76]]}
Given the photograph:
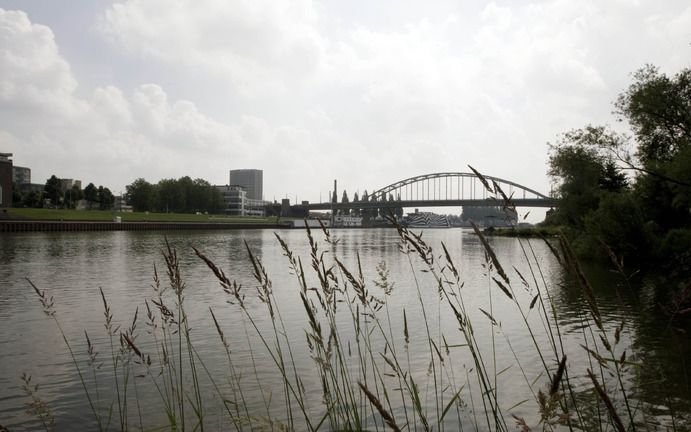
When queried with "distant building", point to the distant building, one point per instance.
{"points": [[120, 204], [31, 187], [5, 180], [347, 221], [426, 220], [238, 203], [67, 184], [284, 209], [251, 181], [21, 175]]}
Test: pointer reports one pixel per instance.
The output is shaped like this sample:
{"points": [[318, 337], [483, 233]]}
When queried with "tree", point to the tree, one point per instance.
{"points": [[105, 198], [597, 202], [612, 178], [617, 223], [17, 196], [355, 211], [382, 211], [33, 199], [187, 202], [398, 211], [53, 190], [364, 212], [170, 196], [581, 171], [216, 201], [658, 109], [73, 195], [140, 195], [90, 195], [345, 200]]}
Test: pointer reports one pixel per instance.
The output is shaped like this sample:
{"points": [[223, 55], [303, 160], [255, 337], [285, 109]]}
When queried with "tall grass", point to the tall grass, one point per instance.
{"points": [[366, 371]]}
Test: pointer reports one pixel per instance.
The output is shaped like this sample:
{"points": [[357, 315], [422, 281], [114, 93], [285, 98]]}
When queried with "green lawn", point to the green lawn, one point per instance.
{"points": [[100, 215]]}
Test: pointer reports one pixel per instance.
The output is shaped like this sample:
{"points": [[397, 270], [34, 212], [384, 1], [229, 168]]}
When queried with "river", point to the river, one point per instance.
{"points": [[72, 267]]}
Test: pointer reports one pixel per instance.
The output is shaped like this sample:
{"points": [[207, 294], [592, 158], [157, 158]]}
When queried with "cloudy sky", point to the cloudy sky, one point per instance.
{"points": [[368, 93]]}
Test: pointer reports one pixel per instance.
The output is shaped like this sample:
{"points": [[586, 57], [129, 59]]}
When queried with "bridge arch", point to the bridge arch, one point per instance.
{"points": [[452, 185], [446, 189]]}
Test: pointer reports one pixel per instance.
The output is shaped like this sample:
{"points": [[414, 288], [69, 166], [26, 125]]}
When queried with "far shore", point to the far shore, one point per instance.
{"points": [[535, 231], [31, 220], [32, 214]]}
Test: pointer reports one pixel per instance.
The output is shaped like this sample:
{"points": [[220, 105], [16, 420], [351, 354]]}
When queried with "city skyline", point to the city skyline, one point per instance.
{"points": [[108, 92]]}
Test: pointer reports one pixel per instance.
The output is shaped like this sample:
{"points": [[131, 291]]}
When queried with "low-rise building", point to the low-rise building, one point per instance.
{"points": [[120, 204], [31, 187], [236, 202]]}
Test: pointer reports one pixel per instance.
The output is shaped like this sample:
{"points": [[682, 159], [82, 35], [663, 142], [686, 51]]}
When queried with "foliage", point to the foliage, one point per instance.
{"points": [[398, 211], [33, 199], [488, 216], [583, 172], [182, 195], [355, 212], [368, 214], [53, 190], [598, 204], [676, 243], [617, 223], [91, 195], [141, 195], [72, 196], [17, 196], [105, 198], [345, 200], [658, 109]]}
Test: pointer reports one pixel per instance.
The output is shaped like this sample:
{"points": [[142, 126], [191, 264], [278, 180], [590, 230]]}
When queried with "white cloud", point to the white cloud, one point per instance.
{"points": [[111, 137], [35, 80], [310, 94], [255, 44]]}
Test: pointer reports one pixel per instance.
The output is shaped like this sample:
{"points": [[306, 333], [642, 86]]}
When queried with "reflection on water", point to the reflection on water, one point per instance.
{"points": [[73, 266]]}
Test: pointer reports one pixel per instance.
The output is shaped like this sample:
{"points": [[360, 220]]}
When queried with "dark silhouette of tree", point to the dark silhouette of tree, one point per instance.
{"points": [[105, 198], [73, 196], [141, 195], [183, 195], [635, 217], [33, 199], [345, 200], [90, 195], [170, 196], [365, 212], [658, 109], [398, 211], [356, 211], [17, 196], [53, 190]]}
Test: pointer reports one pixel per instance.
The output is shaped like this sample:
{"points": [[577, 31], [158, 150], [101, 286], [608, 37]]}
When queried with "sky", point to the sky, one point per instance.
{"points": [[368, 93]]}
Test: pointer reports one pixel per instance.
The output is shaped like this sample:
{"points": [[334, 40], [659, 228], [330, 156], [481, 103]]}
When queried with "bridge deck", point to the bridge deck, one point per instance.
{"points": [[518, 202]]}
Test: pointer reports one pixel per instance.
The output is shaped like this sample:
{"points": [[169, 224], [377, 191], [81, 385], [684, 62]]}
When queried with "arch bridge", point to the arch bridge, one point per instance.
{"points": [[447, 189]]}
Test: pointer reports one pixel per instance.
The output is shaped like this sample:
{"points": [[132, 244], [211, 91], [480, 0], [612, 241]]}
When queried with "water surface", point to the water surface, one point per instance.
{"points": [[72, 267]]}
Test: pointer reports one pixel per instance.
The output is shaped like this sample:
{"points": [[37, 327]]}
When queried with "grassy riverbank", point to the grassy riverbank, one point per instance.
{"points": [[528, 232], [106, 216]]}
